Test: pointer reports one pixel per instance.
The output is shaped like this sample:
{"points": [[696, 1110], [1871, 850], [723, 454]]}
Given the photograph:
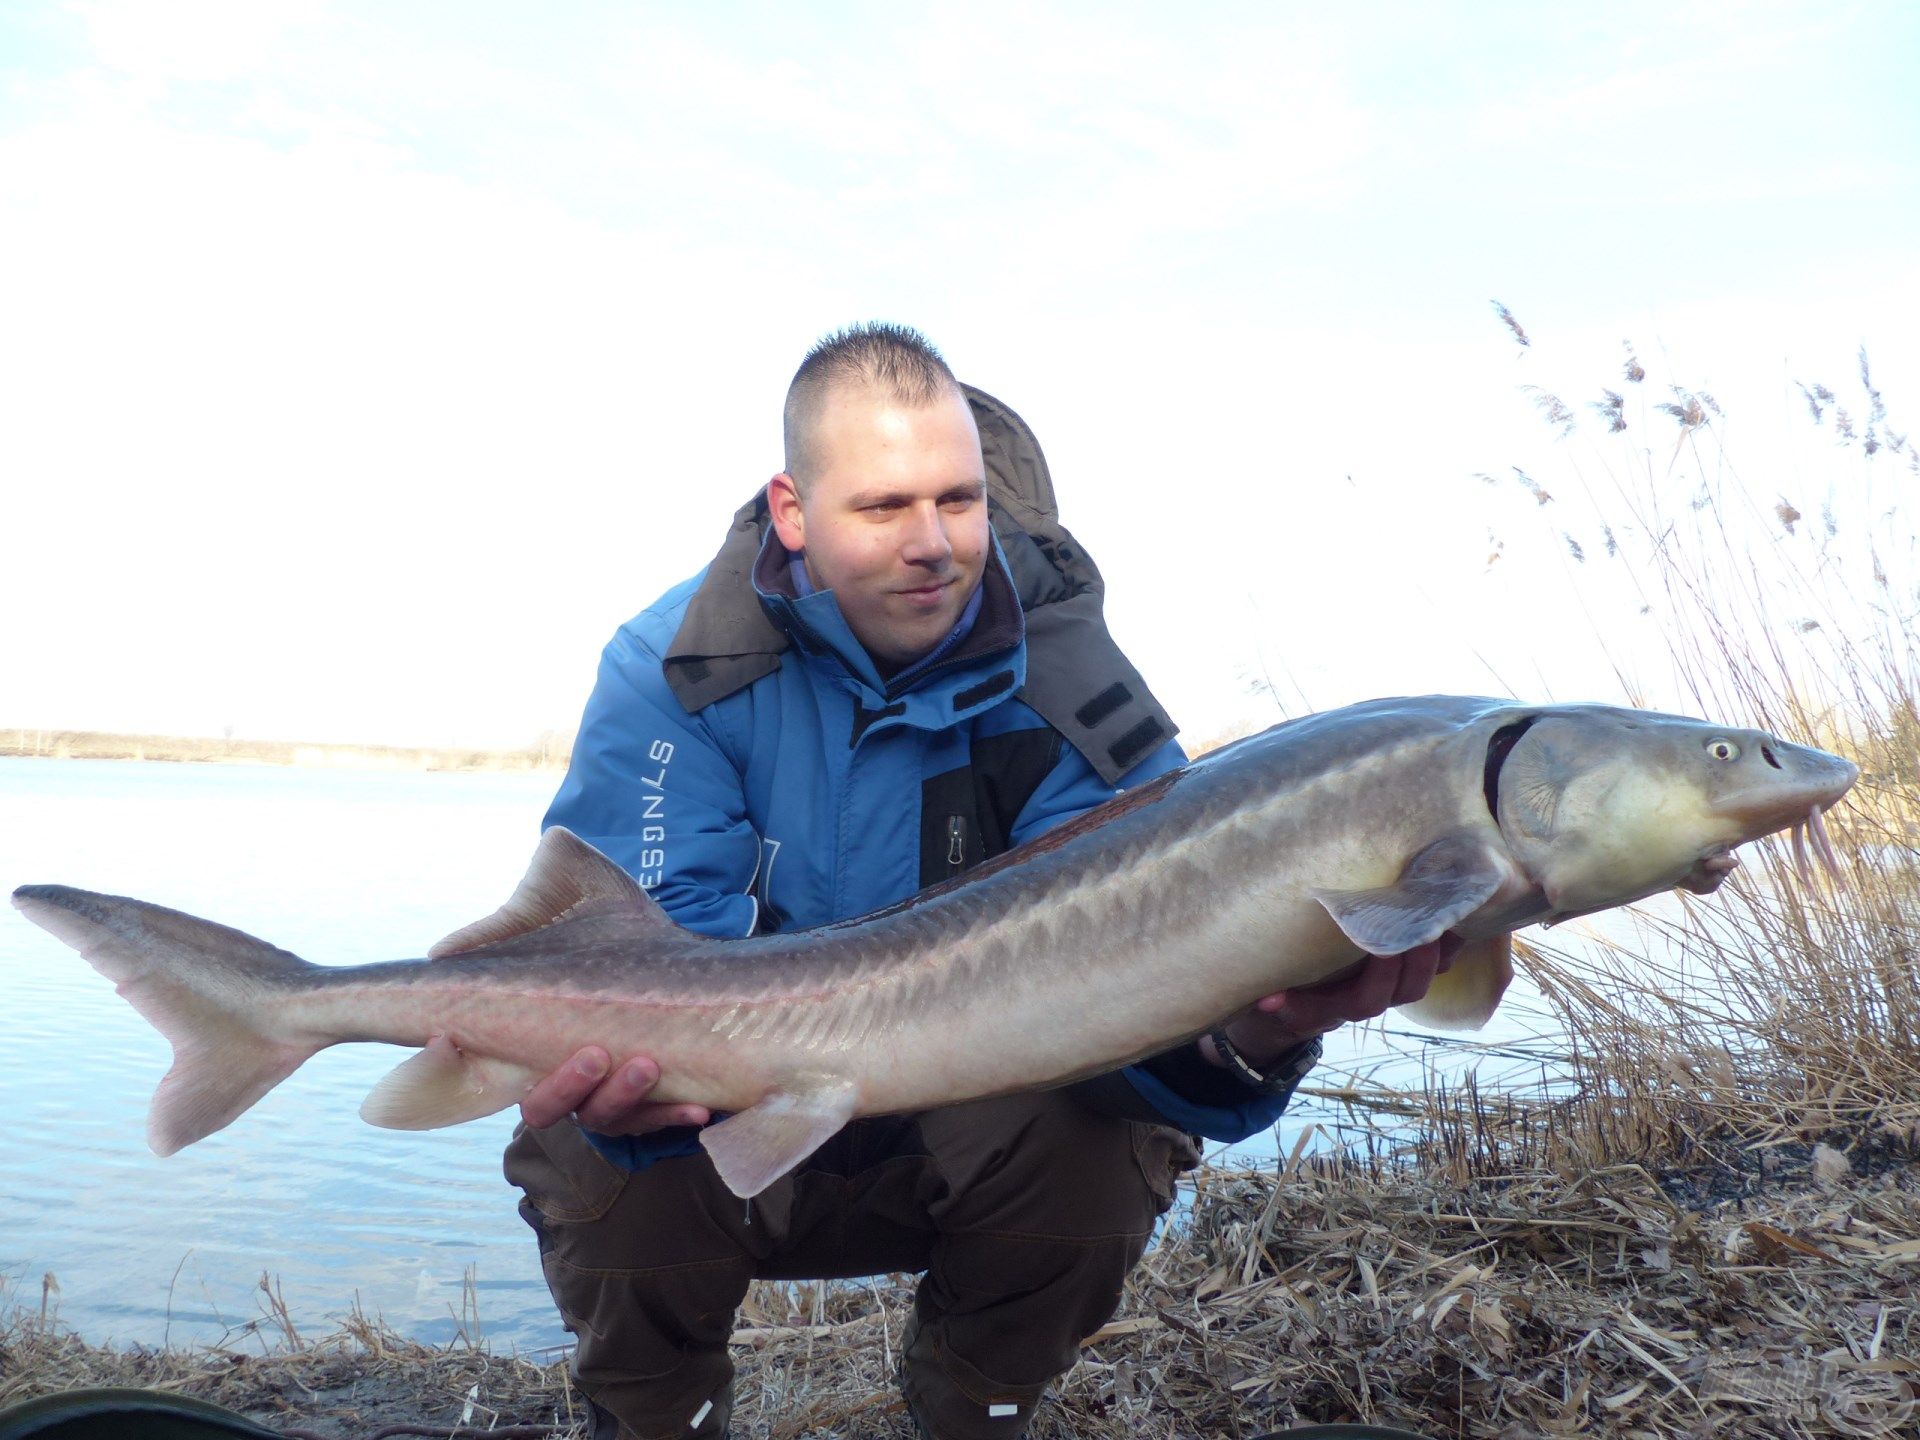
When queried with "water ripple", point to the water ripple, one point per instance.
{"points": [[343, 867]]}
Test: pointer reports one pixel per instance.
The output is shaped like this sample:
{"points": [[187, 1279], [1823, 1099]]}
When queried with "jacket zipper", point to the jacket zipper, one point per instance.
{"points": [[956, 844], [952, 662]]}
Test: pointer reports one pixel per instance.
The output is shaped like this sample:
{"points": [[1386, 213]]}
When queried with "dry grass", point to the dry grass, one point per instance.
{"points": [[1598, 1302], [358, 1379]]}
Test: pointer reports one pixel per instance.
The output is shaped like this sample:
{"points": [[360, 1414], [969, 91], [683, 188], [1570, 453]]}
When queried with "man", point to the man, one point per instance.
{"points": [[883, 678]]}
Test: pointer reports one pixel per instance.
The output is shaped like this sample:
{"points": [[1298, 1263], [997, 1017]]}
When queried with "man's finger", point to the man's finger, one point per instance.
{"points": [[1370, 987], [616, 1097], [1373, 995], [556, 1097], [619, 1107], [1416, 971]]}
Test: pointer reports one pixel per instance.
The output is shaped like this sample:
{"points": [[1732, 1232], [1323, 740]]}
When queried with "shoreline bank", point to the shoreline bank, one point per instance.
{"points": [[1587, 1303], [177, 749]]}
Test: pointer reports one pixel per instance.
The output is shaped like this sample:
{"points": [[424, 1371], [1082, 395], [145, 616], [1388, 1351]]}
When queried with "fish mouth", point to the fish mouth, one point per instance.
{"points": [[1710, 871]]}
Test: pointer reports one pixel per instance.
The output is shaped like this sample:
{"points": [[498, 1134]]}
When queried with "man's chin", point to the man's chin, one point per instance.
{"points": [[906, 643]]}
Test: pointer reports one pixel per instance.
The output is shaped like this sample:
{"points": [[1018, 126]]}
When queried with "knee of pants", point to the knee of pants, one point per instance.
{"points": [[647, 1269], [1043, 1164], [674, 1212], [619, 1247], [998, 1315]]}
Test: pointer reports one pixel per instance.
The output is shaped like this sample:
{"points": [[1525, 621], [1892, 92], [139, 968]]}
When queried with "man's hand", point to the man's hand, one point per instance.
{"points": [[608, 1104], [1278, 1022]]}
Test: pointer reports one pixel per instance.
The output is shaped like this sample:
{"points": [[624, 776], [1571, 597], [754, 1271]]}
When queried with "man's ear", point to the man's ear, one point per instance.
{"points": [[789, 520]]}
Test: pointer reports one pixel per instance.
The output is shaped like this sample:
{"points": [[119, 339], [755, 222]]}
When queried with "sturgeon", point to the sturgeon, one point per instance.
{"points": [[1276, 862]]}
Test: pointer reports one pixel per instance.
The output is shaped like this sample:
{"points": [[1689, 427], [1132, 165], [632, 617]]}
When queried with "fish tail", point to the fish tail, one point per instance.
{"points": [[210, 990]]}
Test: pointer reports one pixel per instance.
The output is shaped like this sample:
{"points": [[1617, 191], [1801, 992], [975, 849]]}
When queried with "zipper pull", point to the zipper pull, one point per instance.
{"points": [[956, 843]]}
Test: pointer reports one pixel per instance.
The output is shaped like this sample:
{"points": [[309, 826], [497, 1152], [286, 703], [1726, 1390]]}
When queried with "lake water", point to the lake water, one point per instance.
{"points": [[340, 867]]}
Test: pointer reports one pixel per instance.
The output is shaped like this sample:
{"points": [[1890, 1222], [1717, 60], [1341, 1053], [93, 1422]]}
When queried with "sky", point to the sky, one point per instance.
{"points": [[363, 366]]}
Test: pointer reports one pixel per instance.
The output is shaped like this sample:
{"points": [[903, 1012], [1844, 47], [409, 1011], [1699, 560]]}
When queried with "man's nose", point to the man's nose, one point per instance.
{"points": [[925, 541]]}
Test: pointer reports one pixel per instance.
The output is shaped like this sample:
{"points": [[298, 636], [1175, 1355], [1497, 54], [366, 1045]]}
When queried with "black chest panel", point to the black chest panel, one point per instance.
{"points": [[967, 815]]}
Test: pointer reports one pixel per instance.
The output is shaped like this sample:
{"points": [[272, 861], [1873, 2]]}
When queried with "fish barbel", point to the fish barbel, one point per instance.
{"points": [[1276, 862]]}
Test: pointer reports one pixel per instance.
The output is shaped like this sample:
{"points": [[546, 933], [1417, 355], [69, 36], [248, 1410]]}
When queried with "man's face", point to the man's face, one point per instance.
{"points": [[894, 520]]}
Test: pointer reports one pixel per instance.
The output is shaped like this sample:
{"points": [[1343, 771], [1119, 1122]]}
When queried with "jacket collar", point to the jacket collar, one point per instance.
{"points": [[992, 623]]}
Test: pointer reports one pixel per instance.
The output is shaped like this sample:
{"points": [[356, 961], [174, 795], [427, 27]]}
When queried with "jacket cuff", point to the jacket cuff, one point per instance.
{"points": [[1204, 1100], [1185, 1071]]}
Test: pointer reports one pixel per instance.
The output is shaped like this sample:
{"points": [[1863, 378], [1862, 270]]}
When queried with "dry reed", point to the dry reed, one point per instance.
{"points": [[1598, 1302], [1779, 1010]]}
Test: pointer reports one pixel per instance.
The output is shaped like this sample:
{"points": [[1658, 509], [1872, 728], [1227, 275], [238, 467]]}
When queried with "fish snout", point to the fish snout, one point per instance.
{"points": [[1780, 784], [1790, 790], [1829, 776]]}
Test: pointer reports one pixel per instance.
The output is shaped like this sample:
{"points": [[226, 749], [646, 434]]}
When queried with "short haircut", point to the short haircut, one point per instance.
{"points": [[896, 360]]}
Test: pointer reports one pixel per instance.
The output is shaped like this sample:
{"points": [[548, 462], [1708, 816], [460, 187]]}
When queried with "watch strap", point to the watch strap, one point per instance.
{"points": [[1281, 1074]]}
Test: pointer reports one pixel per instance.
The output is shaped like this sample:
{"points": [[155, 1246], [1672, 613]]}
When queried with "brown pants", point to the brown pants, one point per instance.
{"points": [[1025, 1212]]}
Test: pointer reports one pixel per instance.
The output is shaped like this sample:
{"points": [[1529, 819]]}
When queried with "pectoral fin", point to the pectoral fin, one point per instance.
{"points": [[756, 1147], [444, 1085], [1441, 886], [1468, 994]]}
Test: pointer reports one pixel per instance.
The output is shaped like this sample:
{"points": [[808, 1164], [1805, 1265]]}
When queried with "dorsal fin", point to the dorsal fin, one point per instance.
{"points": [[568, 877]]}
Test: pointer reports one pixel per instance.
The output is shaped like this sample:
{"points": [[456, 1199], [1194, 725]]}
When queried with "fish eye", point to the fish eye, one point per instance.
{"points": [[1723, 750]]}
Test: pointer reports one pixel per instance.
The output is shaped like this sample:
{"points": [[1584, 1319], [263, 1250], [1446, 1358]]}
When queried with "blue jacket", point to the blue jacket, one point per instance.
{"points": [[817, 790]]}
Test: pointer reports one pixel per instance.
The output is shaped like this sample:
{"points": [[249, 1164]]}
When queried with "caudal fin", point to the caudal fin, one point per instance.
{"points": [[208, 989]]}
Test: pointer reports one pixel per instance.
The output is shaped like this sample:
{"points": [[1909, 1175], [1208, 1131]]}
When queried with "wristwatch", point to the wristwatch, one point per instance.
{"points": [[1283, 1072]]}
